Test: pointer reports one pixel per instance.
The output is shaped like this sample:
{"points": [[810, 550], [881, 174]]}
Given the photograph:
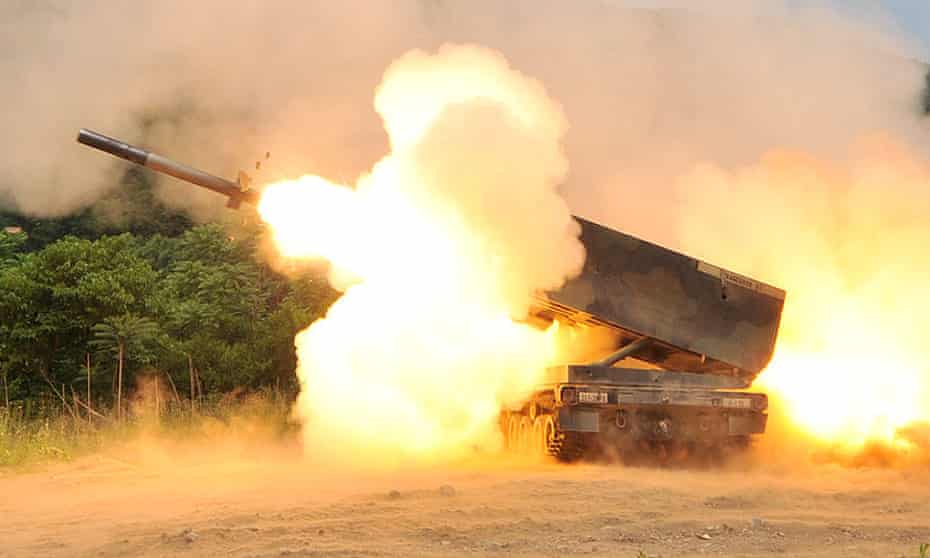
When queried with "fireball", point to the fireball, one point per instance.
{"points": [[439, 250]]}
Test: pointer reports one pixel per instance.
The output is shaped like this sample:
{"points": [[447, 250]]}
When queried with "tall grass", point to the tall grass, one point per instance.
{"points": [[61, 436], [25, 441]]}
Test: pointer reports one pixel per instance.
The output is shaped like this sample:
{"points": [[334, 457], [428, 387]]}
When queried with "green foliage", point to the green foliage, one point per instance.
{"points": [[127, 331], [10, 245], [924, 550], [50, 299], [80, 318]]}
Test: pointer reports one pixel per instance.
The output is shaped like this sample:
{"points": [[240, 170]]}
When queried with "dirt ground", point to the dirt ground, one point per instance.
{"points": [[209, 502]]}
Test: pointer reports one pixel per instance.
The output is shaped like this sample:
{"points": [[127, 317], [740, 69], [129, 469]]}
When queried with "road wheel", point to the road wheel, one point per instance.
{"points": [[564, 446], [513, 432], [549, 433], [526, 435]]}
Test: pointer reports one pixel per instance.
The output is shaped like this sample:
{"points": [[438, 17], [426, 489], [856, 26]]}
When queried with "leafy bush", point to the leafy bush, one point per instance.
{"points": [[79, 319]]}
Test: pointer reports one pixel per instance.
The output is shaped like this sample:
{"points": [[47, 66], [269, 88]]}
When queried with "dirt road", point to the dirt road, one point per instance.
{"points": [[206, 503]]}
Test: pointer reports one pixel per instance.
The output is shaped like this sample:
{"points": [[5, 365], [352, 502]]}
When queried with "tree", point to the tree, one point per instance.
{"points": [[50, 299], [10, 245], [203, 306], [117, 334]]}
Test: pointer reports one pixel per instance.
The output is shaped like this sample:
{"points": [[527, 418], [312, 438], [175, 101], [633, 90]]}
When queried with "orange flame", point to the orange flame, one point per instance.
{"points": [[852, 366]]}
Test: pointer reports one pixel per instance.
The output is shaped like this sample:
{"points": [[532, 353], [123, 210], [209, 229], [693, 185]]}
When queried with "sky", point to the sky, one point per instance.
{"points": [[910, 17], [913, 16]]}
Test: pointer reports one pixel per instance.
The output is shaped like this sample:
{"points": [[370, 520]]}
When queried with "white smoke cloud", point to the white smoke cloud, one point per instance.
{"points": [[647, 91], [444, 242]]}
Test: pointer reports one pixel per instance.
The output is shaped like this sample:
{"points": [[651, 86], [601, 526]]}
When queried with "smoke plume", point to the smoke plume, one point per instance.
{"points": [[647, 92]]}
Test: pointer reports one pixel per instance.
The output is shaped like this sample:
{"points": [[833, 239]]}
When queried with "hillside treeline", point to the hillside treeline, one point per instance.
{"points": [[94, 304]]}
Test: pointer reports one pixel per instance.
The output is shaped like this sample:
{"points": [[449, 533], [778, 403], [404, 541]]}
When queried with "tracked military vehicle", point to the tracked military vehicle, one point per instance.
{"points": [[691, 337]]}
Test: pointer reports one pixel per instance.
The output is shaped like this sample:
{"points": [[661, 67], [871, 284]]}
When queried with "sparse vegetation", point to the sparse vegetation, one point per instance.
{"points": [[59, 436]]}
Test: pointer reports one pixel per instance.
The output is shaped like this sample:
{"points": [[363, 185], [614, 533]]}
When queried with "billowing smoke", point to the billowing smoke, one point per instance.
{"points": [[438, 249], [210, 83], [647, 92], [782, 139]]}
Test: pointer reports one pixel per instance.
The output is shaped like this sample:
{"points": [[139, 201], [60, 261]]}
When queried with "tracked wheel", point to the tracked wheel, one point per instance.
{"points": [[564, 446]]}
